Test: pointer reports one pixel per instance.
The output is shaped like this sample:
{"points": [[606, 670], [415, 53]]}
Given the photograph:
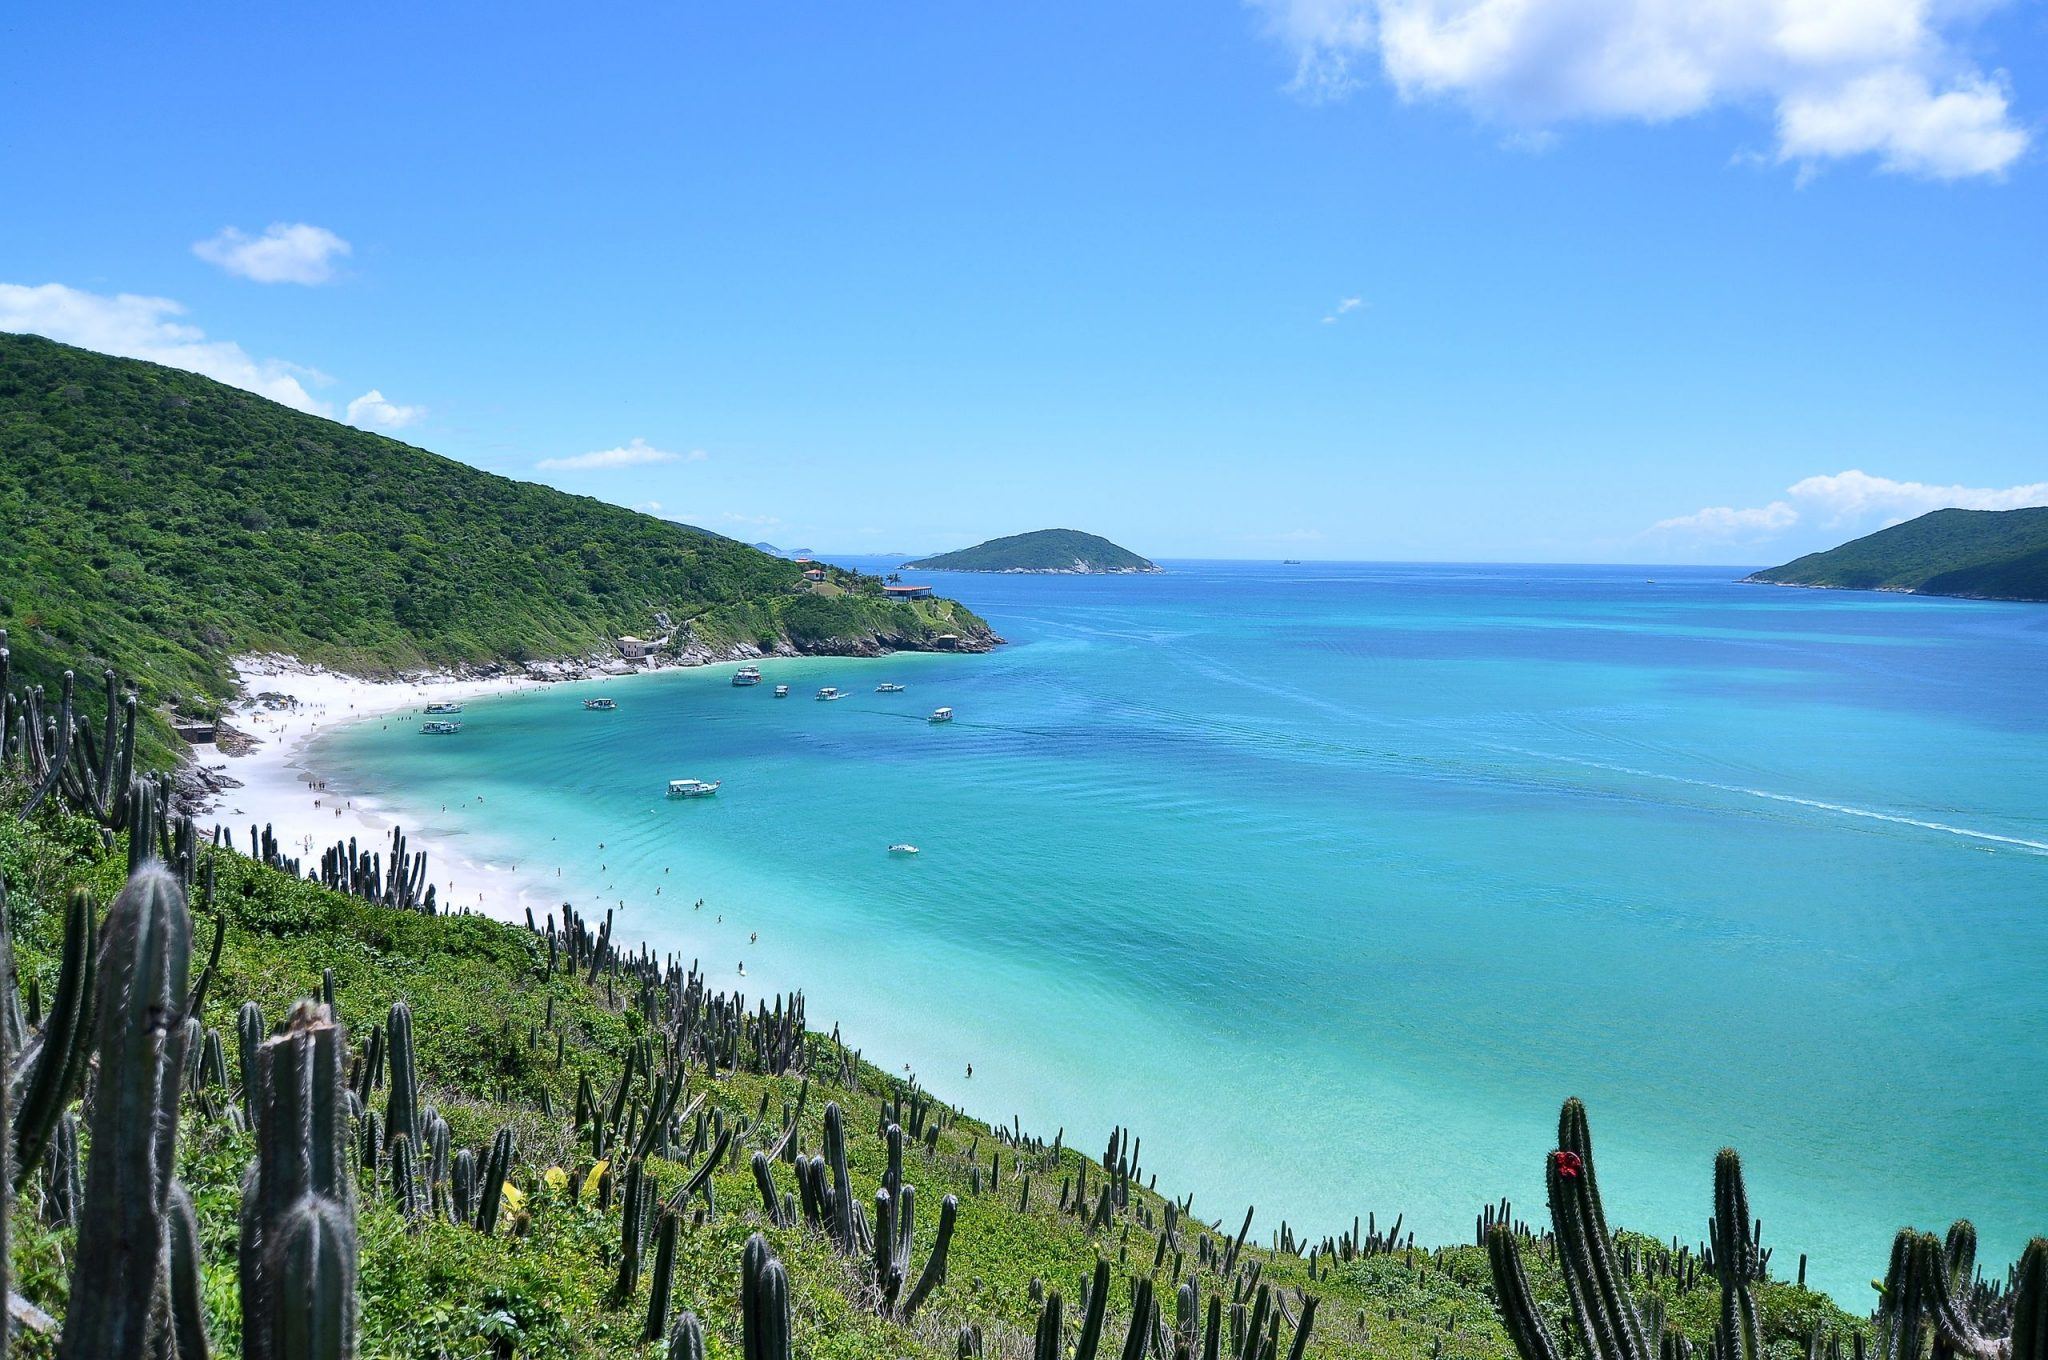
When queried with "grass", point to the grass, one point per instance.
{"points": [[481, 995]]}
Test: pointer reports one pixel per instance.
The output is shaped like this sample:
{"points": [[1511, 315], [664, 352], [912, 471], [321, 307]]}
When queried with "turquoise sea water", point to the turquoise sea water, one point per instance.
{"points": [[1333, 880]]}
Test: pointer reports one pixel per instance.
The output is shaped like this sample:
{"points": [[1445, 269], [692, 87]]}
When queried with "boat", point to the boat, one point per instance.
{"points": [[889, 687], [693, 788], [444, 707], [601, 705], [829, 693], [440, 728], [747, 675], [903, 849], [782, 691], [940, 715]]}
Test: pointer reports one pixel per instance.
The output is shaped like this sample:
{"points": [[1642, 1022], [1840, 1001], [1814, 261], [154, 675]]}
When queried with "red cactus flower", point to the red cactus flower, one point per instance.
{"points": [[1568, 1163]]}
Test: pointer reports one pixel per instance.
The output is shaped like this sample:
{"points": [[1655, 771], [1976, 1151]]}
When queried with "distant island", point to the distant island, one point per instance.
{"points": [[1052, 552], [1971, 554]]}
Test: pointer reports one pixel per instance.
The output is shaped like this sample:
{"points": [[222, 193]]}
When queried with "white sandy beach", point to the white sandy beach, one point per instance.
{"points": [[286, 705]]}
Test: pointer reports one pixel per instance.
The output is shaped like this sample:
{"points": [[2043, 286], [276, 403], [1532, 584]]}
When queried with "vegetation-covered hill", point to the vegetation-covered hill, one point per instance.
{"points": [[1978, 554], [160, 522], [1061, 551]]}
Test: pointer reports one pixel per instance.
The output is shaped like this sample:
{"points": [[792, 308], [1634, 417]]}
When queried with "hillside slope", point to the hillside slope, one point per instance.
{"points": [[1977, 554], [161, 522], [1052, 551]]}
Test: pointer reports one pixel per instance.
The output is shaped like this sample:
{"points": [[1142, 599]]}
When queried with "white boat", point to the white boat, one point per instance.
{"points": [[829, 693], [747, 675], [941, 715], [782, 691], [601, 705], [440, 729], [444, 707], [692, 788], [888, 687], [903, 849]]}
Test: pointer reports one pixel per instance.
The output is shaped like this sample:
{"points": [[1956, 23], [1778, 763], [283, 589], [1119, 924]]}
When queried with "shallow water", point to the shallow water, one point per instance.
{"points": [[1332, 880]]}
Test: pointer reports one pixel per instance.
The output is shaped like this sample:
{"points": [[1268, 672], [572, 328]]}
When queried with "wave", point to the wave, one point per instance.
{"points": [[1820, 804]]}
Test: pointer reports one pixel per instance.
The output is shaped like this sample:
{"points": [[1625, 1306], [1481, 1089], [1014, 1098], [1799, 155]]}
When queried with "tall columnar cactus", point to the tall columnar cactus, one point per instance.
{"points": [[2030, 1303], [686, 1338], [49, 1073], [298, 1247], [491, 1191], [1603, 1311], [764, 1303], [935, 1264], [120, 1283], [1735, 1262], [401, 1108], [662, 1281]]}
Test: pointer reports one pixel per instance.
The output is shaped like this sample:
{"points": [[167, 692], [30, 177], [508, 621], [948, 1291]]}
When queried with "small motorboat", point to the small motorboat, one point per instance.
{"points": [[747, 675], [829, 694], [782, 691], [940, 715], [903, 848], [889, 687], [600, 705], [440, 728], [693, 788], [444, 707]]}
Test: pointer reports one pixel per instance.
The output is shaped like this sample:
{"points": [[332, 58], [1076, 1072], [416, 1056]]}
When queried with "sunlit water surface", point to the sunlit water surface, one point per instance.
{"points": [[1333, 879]]}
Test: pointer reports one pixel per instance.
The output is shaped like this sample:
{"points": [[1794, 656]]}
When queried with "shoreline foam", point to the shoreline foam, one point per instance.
{"points": [[287, 704]]}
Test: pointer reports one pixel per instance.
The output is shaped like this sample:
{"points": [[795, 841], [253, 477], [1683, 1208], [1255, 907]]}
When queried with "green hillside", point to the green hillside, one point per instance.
{"points": [[1042, 550], [160, 522], [1977, 554]]}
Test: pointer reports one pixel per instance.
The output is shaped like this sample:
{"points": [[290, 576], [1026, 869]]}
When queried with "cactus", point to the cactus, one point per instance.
{"points": [[401, 1107], [8, 1038], [1091, 1318], [298, 1247], [686, 1338], [662, 1282], [54, 1070], [491, 1193], [1050, 1341], [1736, 1263], [632, 1216], [764, 1303], [2030, 1303], [935, 1264], [122, 1267]]}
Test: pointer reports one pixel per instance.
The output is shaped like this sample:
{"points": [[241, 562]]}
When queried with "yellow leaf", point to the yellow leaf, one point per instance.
{"points": [[556, 1179], [596, 1175], [515, 1198]]}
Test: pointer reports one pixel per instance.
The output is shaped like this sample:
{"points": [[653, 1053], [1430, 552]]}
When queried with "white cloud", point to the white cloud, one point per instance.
{"points": [[751, 521], [289, 252], [1852, 498], [372, 412], [1722, 521], [1858, 495], [637, 453], [1846, 78], [1344, 306], [138, 327]]}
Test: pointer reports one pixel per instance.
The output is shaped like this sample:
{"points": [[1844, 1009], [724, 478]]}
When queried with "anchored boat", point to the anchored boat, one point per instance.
{"points": [[940, 715], [601, 705], [829, 694], [440, 728], [889, 687], [693, 788], [444, 707], [782, 691], [903, 849], [747, 675]]}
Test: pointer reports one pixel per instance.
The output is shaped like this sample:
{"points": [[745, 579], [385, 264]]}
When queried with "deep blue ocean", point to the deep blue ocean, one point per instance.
{"points": [[1333, 880]]}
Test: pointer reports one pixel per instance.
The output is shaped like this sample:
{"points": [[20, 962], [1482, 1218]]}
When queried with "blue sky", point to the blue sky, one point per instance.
{"points": [[881, 278]]}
